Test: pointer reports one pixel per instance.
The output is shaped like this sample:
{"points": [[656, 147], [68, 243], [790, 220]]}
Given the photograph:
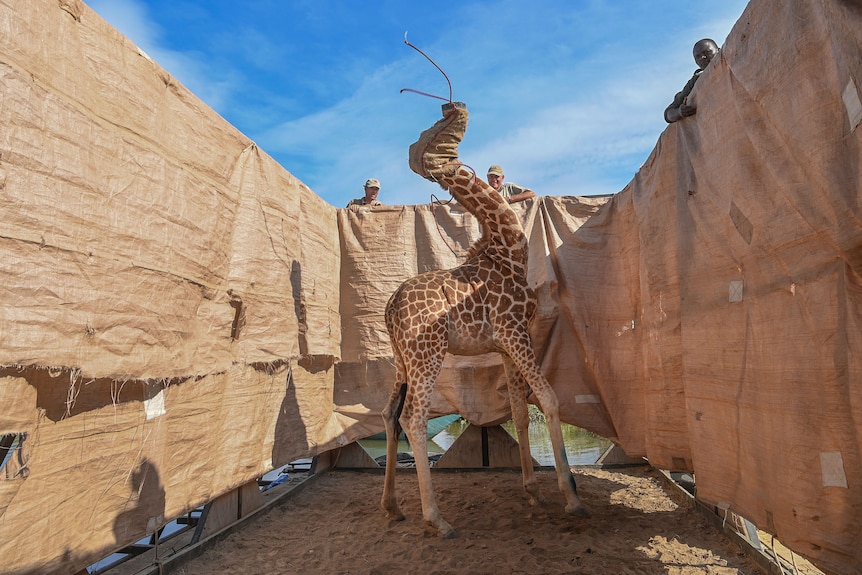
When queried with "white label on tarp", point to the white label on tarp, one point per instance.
{"points": [[853, 104], [587, 399], [735, 291], [155, 407], [832, 468]]}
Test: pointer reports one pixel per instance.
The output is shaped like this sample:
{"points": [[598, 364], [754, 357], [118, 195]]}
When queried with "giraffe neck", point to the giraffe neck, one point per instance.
{"points": [[503, 239]]}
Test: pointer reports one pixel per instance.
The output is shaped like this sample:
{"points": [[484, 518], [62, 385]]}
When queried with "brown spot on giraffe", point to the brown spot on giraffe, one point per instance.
{"points": [[484, 305]]}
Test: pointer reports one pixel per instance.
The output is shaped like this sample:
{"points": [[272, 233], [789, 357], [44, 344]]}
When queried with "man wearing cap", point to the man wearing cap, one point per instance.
{"points": [[372, 188], [511, 191]]}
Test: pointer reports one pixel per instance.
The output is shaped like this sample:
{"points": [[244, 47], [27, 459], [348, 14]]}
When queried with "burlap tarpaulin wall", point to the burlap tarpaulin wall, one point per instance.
{"points": [[156, 296], [179, 314]]}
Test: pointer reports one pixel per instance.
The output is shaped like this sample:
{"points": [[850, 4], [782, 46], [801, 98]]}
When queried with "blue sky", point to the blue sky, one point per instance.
{"points": [[567, 95]]}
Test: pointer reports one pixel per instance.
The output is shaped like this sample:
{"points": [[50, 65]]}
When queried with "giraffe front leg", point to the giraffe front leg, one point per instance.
{"points": [[521, 351], [518, 402], [565, 479]]}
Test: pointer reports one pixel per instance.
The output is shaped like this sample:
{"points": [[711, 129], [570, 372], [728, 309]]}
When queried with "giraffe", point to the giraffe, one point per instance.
{"points": [[484, 305]]}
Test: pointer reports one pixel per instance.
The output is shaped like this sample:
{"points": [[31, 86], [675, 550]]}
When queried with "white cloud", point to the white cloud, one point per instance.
{"points": [[131, 18], [567, 97]]}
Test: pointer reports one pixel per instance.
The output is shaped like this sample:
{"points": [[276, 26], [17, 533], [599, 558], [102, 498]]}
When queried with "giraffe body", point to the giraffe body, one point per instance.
{"points": [[484, 305]]}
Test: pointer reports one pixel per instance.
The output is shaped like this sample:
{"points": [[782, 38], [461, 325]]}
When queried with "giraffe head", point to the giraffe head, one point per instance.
{"points": [[435, 153]]}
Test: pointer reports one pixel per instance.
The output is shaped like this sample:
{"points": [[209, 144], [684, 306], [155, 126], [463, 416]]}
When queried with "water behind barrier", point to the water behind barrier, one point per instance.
{"points": [[582, 447]]}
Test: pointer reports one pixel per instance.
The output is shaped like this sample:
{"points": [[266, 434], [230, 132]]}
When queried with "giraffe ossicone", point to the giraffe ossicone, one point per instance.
{"points": [[484, 305]]}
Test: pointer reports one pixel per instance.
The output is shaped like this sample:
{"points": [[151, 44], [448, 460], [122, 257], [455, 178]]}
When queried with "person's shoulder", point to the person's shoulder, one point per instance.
{"points": [[686, 90], [517, 188], [362, 202]]}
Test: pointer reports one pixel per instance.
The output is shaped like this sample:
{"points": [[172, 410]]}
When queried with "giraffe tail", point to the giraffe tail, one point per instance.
{"points": [[435, 153], [399, 407]]}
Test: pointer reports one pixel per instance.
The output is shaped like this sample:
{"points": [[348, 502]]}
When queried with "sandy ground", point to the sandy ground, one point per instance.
{"points": [[639, 525]]}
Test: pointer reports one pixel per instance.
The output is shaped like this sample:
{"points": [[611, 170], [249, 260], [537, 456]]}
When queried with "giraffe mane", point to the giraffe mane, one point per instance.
{"points": [[479, 246]]}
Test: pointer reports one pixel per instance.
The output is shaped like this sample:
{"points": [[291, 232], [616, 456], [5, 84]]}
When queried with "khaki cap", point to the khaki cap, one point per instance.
{"points": [[496, 170], [372, 183]]}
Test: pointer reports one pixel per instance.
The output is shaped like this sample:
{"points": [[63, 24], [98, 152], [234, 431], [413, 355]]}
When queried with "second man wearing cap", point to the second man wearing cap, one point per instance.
{"points": [[510, 191]]}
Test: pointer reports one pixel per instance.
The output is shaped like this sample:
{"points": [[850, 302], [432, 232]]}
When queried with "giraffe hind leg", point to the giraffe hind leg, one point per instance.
{"points": [[391, 415], [414, 419], [416, 429]]}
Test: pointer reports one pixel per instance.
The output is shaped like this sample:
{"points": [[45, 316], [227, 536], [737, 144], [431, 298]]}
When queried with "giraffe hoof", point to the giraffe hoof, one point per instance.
{"points": [[449, 534], [444, 530], [393, 513], [578, 511]]}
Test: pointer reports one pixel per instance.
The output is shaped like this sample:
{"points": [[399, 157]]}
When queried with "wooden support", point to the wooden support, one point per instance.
{"points": [[228, 508], [614, 455], [353, 456], [482, 447]]}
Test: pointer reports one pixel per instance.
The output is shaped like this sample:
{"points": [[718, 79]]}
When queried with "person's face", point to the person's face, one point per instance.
{"points": [[495, 181], [703, 54], [371, 193]]}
